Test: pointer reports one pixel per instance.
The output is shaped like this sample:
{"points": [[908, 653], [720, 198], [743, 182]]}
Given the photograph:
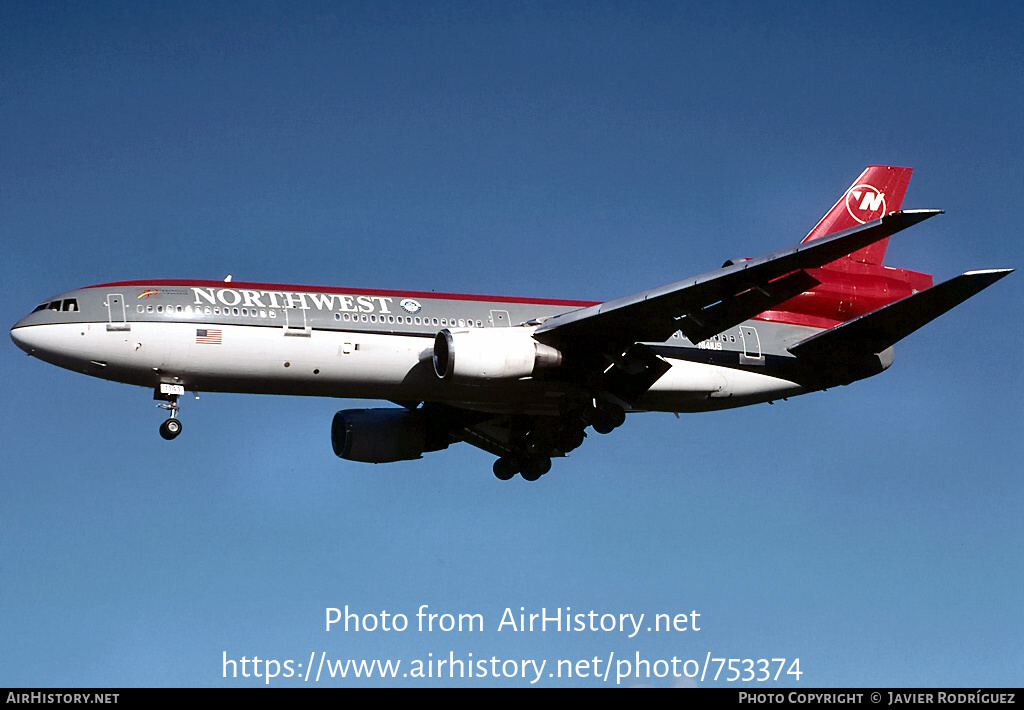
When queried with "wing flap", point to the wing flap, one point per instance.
{"points": [[732, 311], [639, 368]]}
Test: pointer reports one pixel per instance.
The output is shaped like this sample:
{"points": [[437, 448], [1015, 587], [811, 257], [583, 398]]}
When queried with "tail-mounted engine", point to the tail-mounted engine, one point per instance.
{"points": [[491, 354]]}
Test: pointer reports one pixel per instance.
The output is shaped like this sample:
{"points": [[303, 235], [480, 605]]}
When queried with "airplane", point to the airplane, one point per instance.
{"points": [[520, 378]]}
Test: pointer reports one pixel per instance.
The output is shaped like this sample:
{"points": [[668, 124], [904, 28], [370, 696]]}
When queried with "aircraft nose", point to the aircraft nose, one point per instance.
{"points": [[22, 338], [34, 338]]}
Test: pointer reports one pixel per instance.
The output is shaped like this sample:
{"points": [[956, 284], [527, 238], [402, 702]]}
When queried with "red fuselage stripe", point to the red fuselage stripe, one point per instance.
{"points": [[355, 291]]}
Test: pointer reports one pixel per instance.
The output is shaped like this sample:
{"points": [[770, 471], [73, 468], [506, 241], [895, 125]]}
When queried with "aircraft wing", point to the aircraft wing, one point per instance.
{"points": [[493, 435], [500, 434], [713, 302]]}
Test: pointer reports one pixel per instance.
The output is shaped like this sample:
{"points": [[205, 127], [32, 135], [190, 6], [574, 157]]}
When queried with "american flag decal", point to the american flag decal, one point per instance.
{"points": [[208, 336]]}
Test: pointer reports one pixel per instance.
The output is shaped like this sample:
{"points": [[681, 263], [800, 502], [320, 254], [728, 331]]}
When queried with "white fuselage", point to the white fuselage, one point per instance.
{"points": [[115, 333]]}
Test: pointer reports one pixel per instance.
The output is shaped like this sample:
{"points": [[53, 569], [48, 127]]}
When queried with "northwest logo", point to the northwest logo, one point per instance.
{"points": [[410, 306], [865, 203]]}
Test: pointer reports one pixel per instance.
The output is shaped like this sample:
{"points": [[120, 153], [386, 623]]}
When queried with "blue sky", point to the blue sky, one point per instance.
{"points": [[562, 150]]}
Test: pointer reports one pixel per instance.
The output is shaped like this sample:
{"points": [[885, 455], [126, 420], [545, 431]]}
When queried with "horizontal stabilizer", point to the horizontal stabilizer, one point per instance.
{"points": [[874, 332]]}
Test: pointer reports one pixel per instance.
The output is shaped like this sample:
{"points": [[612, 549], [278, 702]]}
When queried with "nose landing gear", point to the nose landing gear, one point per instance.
{"points": [[170, 428], [169, 393]]}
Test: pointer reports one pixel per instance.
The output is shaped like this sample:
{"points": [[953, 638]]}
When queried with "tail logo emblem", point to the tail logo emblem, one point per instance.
{"points": [[865, 202]]}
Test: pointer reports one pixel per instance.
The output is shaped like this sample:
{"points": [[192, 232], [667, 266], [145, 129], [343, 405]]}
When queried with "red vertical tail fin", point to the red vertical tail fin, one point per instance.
{"points": [[858, 283], [879, 190]]}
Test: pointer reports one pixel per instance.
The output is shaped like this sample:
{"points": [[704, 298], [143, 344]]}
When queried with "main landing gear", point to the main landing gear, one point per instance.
{"points": [[169, 393], [529, 467], [532, 450], [606, 417]]}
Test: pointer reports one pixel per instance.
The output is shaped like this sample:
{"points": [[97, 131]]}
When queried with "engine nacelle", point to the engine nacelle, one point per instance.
{"points": [[382, 435], [491, 354]]}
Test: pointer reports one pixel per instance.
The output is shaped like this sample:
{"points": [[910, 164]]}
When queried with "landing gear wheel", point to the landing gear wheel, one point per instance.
{"points": [[172, 426], [505, 468], [535, 467], [170, 429], [607, 417]]}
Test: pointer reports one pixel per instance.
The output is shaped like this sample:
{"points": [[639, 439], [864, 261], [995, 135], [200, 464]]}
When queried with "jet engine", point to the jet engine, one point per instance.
{"points": [[490, 354], [383, 435]]}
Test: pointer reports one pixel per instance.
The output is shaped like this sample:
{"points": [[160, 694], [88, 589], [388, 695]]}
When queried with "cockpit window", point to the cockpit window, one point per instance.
{"points": [[69, 305]]}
